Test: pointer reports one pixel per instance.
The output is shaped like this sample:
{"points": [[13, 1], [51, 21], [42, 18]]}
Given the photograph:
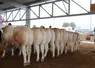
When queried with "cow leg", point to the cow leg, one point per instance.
{"points": [[62, 47], [72, 47], [34, 50], [12, 50], [58, 49], [46, 50], [42, 51], [19, 51], [24, 54], [3, 55], [4, 51], [66, 47], [53, 49], [76, 47], [29, 54], [38, 51]]}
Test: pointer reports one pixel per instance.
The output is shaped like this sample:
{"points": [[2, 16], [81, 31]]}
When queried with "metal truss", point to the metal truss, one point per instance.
{"points": [[66, 11]]}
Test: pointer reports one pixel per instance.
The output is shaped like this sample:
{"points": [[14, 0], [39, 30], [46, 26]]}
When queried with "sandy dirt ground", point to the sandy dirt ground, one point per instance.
{"points": [[83, 58]]}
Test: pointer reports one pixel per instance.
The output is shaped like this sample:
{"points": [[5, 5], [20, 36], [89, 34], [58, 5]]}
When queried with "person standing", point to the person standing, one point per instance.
{"points": [[50, 26], [9, 24]]}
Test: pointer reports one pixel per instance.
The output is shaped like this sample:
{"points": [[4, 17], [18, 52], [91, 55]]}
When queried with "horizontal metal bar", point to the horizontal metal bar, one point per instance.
{"points": [[11, 10], [55, 17], [45, 3]]}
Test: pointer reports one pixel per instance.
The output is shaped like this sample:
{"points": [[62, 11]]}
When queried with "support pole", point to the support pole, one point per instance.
{"points": [[69, 7], [27, 17]]}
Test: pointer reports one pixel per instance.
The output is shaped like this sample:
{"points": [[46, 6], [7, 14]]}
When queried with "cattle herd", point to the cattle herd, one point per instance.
{"points": [[42, 40]]}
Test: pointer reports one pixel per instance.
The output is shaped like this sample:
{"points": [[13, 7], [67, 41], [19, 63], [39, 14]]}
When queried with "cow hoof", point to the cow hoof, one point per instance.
{"points": [[12, 55], [72, 51], [65, 52], [19, 54], [2, 56], [53, 56], [45, 56], [28, 63], [37, 60], [25, 64], [57, 55], [42, 59], [61, 53]]}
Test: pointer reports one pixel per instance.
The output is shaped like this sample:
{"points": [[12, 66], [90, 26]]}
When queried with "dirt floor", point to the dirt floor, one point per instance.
{"points": [[83, 58]]}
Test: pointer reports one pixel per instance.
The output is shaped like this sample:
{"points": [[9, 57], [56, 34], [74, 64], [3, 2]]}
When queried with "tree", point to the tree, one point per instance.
{"points": [[66, 24], [42, 26], [34, 26], [73, 25]]}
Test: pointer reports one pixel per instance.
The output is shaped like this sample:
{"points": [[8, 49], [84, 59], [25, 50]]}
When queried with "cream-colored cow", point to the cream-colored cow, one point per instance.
{"points": [[50, 41], [77, 41], [57, 40], [18, 36], [38, 37]]}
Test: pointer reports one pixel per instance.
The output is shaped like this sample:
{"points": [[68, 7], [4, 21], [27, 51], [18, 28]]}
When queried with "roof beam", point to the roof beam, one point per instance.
{"points": [[16, 4], [1, 11]]}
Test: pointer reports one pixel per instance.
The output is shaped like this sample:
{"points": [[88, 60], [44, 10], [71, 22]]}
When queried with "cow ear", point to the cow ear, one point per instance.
{"points": [[1, 30]]}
